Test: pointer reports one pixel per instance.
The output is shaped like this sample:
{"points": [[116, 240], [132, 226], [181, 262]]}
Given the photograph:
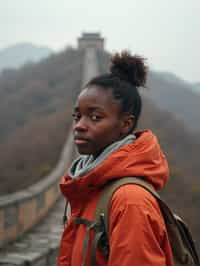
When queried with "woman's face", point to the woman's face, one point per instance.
{"points": [[98, 121]]}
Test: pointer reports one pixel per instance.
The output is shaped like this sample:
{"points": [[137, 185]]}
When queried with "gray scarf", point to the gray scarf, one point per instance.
{"points": [[85, 163]]}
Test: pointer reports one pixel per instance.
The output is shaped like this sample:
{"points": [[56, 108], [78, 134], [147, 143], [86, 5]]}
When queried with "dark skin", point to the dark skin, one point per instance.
{"points": [[98, 120]]}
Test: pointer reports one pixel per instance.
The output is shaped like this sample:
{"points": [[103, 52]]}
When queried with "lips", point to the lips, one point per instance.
{"points": [[80, 140]]}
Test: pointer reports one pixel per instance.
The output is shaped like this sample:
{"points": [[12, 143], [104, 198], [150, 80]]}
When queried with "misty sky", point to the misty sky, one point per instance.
{"points": [[167, 32]]}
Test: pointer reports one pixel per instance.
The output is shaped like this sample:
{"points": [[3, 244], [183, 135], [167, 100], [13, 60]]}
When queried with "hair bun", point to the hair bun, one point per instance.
{"points": [[129, 68]]}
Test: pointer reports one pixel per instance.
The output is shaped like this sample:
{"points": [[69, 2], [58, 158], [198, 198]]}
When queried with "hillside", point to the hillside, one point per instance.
{"points": [[20, 54], [171, 93], [35, 113], [31, 152], [38, 89], [170, 77]]}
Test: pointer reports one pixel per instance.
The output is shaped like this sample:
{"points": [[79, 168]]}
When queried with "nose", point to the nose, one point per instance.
{"points": [[80, 125]]}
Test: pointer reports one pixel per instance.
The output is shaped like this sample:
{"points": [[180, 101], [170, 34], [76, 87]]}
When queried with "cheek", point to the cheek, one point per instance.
{"points": [[109, 133]]}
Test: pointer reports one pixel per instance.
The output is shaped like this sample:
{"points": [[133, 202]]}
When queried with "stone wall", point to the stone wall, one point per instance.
{"points": [[20, 211]]}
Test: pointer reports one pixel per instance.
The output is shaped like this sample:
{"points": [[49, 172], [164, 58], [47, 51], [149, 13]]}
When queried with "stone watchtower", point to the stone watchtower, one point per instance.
{"points": [[91, 40]]}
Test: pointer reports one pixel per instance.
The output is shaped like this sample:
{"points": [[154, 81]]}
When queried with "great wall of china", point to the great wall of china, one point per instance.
{"points": [[31, 220]]}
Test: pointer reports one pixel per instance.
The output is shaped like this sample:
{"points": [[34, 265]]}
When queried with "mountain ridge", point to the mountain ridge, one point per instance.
{"points": [[19, 54]]}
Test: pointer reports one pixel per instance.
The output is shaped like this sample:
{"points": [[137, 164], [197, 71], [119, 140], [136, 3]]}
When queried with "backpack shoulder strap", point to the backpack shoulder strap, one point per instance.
{"points": [[181, 242], [108, 191]]}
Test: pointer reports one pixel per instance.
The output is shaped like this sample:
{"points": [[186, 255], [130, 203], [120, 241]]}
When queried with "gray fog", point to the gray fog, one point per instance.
{"points": [[165, 32]]}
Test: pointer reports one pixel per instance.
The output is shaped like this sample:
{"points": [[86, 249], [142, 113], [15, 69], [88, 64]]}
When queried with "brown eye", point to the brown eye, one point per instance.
{"points": [[76, 116], [96, 117]]}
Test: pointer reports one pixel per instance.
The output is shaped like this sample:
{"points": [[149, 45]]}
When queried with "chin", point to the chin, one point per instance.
{"points": [[83, 151], [88, 150]]}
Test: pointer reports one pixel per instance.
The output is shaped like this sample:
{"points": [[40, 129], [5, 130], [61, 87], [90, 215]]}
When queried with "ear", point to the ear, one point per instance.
{"points": [[128, 122]]}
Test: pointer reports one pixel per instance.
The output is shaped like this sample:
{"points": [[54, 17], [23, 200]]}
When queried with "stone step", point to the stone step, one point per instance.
{"points": [[39, 246]]}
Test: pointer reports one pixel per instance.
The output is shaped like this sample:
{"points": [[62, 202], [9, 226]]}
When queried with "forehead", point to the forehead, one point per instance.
{"points": [[97, 97]]}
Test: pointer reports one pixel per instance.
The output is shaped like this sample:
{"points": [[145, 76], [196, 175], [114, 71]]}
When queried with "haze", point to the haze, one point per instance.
{"points": [[165, 32]]}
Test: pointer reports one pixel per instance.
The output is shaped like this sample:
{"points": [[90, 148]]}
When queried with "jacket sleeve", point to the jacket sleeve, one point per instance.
{"points": [[136, 233]]}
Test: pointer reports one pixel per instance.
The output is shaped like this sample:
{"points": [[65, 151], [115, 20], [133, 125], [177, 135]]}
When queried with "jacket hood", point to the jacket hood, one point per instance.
{"points": [[141, 158]]}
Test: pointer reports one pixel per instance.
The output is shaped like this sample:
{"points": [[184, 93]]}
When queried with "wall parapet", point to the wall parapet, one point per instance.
{"points": [[20, 211]]}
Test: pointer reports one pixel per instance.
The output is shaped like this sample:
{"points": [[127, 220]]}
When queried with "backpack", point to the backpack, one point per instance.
{"points": [[182, 244]]}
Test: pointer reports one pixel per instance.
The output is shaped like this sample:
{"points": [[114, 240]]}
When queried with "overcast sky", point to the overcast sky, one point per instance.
{"points": [[167, 32]]}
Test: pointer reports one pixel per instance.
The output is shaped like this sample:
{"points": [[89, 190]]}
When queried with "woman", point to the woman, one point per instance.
{"points": [[105, 117]]}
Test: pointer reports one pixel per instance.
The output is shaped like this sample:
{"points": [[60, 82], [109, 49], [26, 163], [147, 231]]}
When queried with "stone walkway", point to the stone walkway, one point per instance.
{"points": [[38, 247]]}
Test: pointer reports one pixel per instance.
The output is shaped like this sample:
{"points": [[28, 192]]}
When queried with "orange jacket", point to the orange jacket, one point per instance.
{"points": [[137, 232]]}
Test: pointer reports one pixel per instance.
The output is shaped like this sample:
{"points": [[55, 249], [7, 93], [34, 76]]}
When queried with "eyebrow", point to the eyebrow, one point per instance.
{"points": [[90, 109]]}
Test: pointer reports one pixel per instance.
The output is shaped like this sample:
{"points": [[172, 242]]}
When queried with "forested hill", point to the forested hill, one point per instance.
{"points": [[38, 89], [17, 55], [177, 96], [35, 113]]}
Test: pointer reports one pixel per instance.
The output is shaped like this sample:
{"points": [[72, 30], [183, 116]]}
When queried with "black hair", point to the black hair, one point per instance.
{"points": [[127, 73]]}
